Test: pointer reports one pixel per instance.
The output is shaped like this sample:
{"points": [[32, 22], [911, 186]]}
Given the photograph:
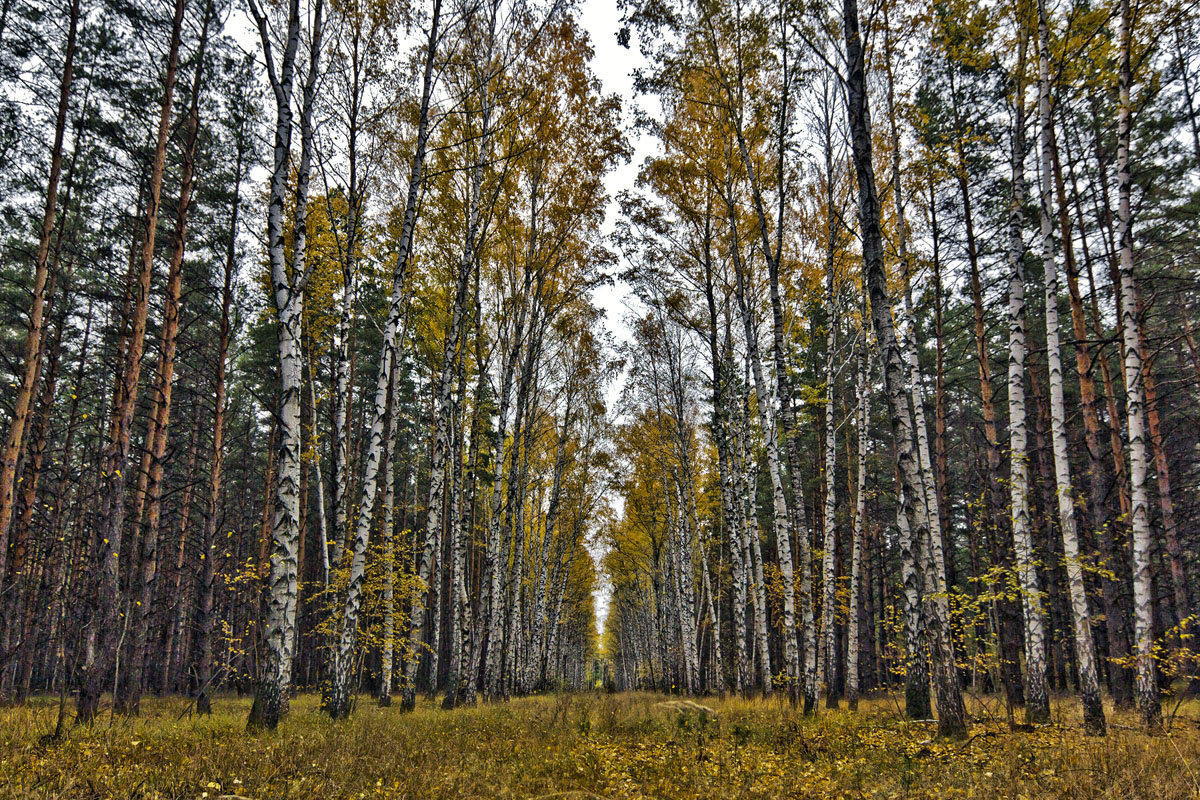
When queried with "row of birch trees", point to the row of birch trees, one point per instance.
{"points": [[323, 415], [855, 216]]}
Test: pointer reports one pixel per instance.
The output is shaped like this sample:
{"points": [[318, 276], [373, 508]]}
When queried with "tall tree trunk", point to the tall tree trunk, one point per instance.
{"points": [[802, 681], [457, 599], [1120, 684], [748, 521], [105, 620], [767, 418], [1143, 601], [444, 411], [337, 701], [204, 614], [952, 719], [388, 635], [828, 661], [858, 522], [734, 532], [287, 293], [131, 692], [1037, 698], [494, 564], [1089, 685], [32, 353], [1166, 501], [21, 583]]}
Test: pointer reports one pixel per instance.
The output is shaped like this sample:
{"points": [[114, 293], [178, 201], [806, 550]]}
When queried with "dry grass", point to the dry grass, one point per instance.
{"points": [[586, 746]]}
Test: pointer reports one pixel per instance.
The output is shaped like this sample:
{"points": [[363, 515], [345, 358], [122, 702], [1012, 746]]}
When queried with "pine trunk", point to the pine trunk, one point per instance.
{"points": [[105, 622]]}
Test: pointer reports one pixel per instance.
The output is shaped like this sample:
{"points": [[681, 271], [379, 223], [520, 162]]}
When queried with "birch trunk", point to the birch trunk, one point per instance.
{"points": [[1143, 600], [441, 441], [858, 521], [1089, 684], [287, 293], [337, 701], [388, 647], [1166, 503], [734, 533], [933, 566], [458, 601], [747, 521], [802, 680], [952, 720], [493, 568], [1037, 699], [828, 661], [767, 418]]}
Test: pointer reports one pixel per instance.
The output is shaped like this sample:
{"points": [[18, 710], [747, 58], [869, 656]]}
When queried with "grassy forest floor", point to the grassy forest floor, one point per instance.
{"points": [[586, 746]]}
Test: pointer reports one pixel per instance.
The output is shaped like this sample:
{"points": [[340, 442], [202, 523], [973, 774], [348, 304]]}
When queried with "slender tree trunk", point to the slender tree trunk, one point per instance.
{"points": [[858, 521], [1037, 698], [168, 343], [1147, 683], [1166, 501], [734, 533], [748, 521], [32, 353], [441, 441], [494, 568], [457, 599], [1089, 685], [952, 719], [828, 661], [204, 615], [802, 681], [287, 293], [337, 701], [105, 620], [767, 419], [1118, 644]]}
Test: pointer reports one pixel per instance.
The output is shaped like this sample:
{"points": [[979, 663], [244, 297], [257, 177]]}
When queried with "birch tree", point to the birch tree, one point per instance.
{"points": [[288, 282], [1089, 686], [1143, 611]]}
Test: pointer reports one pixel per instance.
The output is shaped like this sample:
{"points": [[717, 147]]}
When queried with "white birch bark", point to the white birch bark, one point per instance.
{"points": [[460, 609], [928, 552], [493, 574], [1143, 599], [1037, 700], [533, 665], [858, 521], [952, 720], [322, 522], [287, 292], [388, 635], [748, 522], [1089, 684], [337, 699], [340, 435], [767, 418], [828, 661]]}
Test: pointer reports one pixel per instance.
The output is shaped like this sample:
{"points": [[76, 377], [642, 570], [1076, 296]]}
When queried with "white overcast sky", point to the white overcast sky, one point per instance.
{"points": [[613, 65]]}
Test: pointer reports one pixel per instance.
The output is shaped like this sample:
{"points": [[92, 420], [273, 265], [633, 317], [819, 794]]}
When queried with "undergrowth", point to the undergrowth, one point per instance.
{"points": [[586, 746]]}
